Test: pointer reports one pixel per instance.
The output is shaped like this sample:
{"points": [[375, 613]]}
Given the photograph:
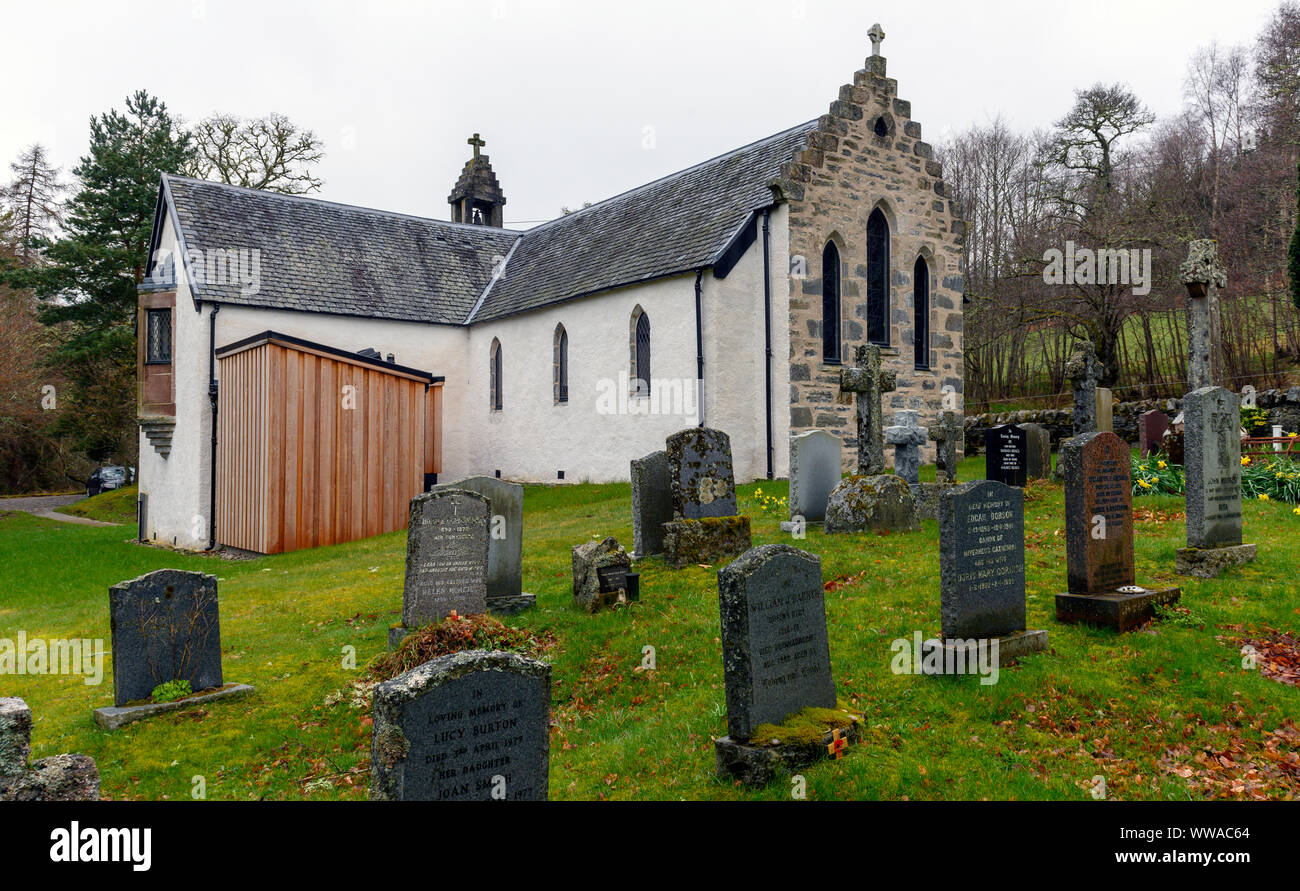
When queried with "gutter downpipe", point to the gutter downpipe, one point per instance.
{"points": [[767, 335], [699, 343], [212, 398]]}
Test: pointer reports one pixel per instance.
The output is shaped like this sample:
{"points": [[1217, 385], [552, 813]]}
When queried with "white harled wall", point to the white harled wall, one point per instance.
{"points": [[591, 438]]}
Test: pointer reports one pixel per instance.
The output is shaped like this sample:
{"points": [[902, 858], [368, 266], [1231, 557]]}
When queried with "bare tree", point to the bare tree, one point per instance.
{"points": [[33, 199], [1213, 87], [269, 153]]}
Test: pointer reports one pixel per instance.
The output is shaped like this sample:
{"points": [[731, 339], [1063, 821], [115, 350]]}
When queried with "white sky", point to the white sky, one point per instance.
{"points": [[564, 91]]}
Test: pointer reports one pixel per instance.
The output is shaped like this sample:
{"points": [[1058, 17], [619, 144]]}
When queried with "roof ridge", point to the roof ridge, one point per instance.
{"points": [[667, 176], [306, 199]]}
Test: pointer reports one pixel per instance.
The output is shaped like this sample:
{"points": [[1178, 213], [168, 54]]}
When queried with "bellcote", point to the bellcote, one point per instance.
{"points": [[477, 197]]}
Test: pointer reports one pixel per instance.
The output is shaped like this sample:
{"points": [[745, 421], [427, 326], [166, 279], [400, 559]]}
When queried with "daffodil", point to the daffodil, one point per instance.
{"points": [[1263, 496], [1162, 465], [1245, 460], [1296, 511]]}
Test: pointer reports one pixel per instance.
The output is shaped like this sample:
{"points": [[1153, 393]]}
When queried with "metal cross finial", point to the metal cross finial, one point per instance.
{"points": [[476, 142], [877, 35]]}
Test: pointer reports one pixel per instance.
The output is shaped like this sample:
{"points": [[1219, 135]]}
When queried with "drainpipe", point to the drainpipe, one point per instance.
{"points": [[699, 343], [212, 398], [767, 334]]}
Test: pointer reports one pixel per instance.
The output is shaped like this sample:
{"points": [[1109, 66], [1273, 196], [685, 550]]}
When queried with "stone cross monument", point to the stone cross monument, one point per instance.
{"points": [[869, 382], [948, 434], [1203, 276], [907, 438], [1084, 371], [877, 35]]}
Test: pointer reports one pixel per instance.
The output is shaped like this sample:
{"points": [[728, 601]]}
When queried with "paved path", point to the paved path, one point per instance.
{"points": [[45, 506]]}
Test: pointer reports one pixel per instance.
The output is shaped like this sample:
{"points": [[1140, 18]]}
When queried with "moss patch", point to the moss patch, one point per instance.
{"points": [[807, 727]]}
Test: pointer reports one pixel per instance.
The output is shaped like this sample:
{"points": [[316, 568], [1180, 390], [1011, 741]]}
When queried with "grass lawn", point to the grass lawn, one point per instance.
{"points": [[1165, 713]]}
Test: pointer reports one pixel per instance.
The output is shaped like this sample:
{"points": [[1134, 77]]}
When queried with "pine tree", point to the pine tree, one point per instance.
{"points": [[33, 199], [87, 283]]}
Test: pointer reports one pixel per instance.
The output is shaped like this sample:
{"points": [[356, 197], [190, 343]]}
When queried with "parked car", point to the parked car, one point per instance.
{"points": [[107, 478]]}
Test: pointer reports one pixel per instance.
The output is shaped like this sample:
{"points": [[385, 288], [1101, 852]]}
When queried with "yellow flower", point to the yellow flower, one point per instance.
{"points": [[1263, 496], [1245, 460], [1296, 511], [1162, 465], [1144, 484]]}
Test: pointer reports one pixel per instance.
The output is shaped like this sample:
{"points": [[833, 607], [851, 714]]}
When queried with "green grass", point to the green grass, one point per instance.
{"points": [[113, 506], [1138, 709]]}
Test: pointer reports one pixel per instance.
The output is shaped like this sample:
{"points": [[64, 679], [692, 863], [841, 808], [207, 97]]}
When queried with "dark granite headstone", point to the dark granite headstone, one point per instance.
{"points": [[1006, 454], [1212, 437], [505, 567], [461, 728], [1151, 430], [1038, 452], [1098, 484], [981, 560], [701, 479], [775, 653], [446, 556], [165, 628], [652, 503]]}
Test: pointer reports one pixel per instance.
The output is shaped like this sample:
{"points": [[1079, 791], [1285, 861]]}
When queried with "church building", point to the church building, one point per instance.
{"points": [[306, 367]]}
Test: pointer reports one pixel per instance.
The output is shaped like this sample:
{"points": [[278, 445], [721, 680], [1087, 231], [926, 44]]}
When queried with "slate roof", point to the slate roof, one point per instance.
{"points": [[323, 257]]}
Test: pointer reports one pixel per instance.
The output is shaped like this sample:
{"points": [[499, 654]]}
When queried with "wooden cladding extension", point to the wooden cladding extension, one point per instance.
{"points": [[155, 383], [316, 446]]}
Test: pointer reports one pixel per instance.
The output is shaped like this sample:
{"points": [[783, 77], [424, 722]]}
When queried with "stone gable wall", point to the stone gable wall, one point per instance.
{"points": [[832, 187]]}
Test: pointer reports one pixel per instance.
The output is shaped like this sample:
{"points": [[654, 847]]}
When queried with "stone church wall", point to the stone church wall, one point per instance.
{"points": [[832, 187]]}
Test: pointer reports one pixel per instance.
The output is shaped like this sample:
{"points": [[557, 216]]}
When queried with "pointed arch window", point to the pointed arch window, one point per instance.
{"points": [[560, 363], [878, 278], [831, 303], [640, 345], [494, 376], [921, 313]]}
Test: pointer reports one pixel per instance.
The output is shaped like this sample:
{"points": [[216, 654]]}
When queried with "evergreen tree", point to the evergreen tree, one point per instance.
{"points": [[87, 286], [33, 199]]}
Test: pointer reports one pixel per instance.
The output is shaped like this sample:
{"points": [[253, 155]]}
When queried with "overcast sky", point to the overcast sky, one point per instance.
{"points": [[577, 99]]}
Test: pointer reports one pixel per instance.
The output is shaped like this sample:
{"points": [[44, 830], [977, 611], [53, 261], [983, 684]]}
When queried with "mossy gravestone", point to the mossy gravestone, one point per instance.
{"points": [[446, 557], [775, 654], [165, 627], [1099, 537], [470, 726], [1212, 444], [700, 474]]}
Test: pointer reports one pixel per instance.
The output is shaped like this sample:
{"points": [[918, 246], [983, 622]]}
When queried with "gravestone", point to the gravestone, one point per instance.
{"points": [[1151, 431], [1006, 454], [776, 663], [700, 475], [907, 437], [705, 526], [871, 503], [165, 627], [1203, 276], [469, 726], [1084, 371], [446, 559], [869, 383], [1038, 452], [600, 570], [505, 566], [652, 503], [1212, 444], [948, 435], [982, 568], [1105, 410], [60, 778], [814, 472], [1099, 537]]}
